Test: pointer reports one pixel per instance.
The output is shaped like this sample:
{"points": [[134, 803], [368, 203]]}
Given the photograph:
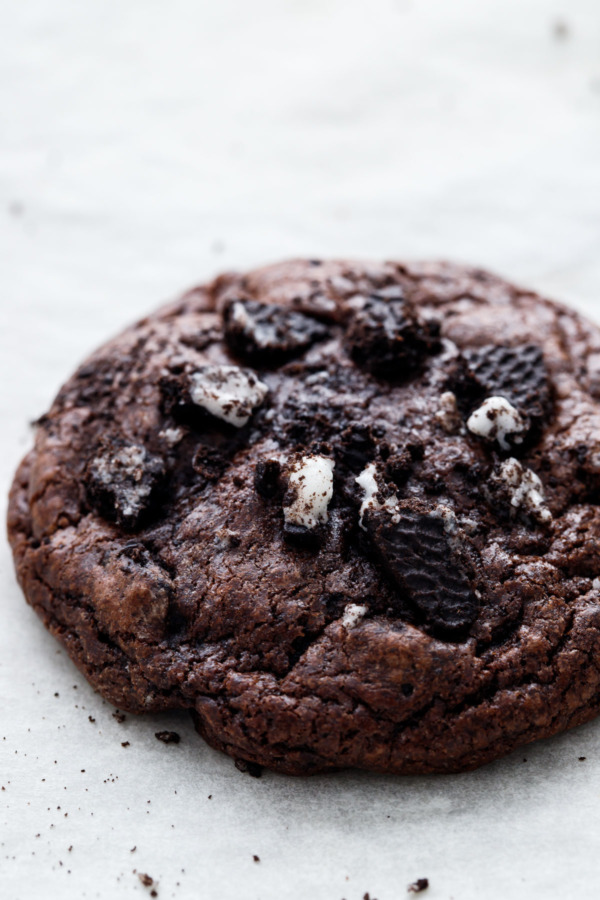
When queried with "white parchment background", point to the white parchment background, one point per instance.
{"points": [[146, 145]]}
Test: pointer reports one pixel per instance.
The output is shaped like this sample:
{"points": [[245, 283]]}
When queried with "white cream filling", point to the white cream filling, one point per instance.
{"points": [[495, 420], [171, 435], [227, 392], [353, 613], [526, 489], [367, 482], [311, 482]]}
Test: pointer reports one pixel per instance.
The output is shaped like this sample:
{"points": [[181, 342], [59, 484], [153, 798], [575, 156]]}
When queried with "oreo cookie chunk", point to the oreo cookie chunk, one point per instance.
{"points": [[345, 514]]}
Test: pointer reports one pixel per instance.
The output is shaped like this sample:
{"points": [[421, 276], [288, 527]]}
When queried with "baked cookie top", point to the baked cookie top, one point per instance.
{"points": [[346, 513]]}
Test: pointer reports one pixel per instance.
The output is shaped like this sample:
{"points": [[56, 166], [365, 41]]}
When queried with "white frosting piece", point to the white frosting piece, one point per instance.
{"points": [[495, 420], [353, 613], [367, 481], [596, 584], [227, 392], [526, 490], [311, 481]]}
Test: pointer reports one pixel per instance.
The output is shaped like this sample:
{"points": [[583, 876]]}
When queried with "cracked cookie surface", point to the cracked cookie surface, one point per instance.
{"points": [[346, 513]]}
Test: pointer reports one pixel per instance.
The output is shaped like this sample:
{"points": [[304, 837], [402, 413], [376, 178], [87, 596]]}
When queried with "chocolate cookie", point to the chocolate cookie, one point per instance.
{"points": [[347, 514]]}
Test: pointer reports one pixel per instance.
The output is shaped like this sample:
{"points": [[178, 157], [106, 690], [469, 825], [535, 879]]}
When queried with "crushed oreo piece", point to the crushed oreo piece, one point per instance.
{"points": [[301, 536], [376, 494], [211, 395], [448, 414], [227, 392], [497, 421], [310, 489], [209, 463], [268, 333], [398, 466], [123, 483], [521, 490], [415, 547], [356, 446], [518, 374], [387, 338], [421, 884], [266, 478]]}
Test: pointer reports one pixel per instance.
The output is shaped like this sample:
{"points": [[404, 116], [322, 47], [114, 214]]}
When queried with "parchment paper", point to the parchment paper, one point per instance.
{"points": [[148, 145]]}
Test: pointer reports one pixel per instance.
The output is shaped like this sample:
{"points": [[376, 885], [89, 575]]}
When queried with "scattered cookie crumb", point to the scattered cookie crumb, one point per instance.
{"points": [[582, 758], [167, 737], [119, 716], [561, 30], [91, 719], [15, 209], [125, 744], [421, 884], [146, 880], [256, 858], [133, 849], [249, 768]]}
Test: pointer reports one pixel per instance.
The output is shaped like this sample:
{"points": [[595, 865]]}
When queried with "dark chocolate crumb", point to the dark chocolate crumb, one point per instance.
{"points": [[167, 737], [146, 880], [582, 758], [119, 716], [387, 338], [133, 849], [250, 768], [91, 719], [125, 744], [421, 884], [266, 478], [256, 858]]}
